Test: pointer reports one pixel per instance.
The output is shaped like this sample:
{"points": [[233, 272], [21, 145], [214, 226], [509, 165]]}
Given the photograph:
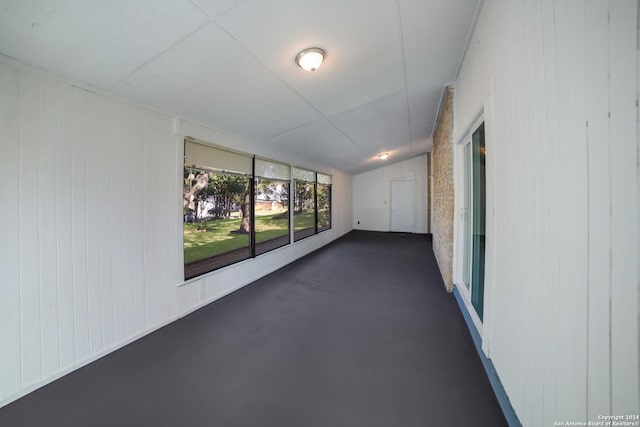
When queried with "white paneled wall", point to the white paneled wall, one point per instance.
{"points": [[558, 84], [372, 195], [91, 231], [86, 243]]}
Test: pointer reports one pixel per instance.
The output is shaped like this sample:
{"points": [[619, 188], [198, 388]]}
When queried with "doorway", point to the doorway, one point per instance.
{"points": [[402, 206]]}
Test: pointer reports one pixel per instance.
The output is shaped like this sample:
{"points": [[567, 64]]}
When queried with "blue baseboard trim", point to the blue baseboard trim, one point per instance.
{"points": [[498, 389]]}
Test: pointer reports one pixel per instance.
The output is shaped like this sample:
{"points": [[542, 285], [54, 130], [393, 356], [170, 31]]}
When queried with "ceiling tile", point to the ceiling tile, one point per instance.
{"points": [[434, 34], [422, 145], [377, 121], [420, 132], [362, 39], [95, 42], [372, 162], [320, 141], [229, 64], [390, 144], [216, 8], [209, 80]]}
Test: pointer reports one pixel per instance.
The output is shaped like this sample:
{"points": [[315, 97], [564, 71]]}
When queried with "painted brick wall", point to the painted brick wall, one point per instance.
{"points": [[442, 221]]}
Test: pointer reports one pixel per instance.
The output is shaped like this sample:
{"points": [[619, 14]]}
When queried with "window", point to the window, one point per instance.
{"points": [[304, 209], [217, 208], [271, 205], [237, 206], [323, 192]]}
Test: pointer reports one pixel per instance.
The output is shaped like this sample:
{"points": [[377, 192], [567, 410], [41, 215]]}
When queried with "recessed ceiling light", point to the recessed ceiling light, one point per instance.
{"points": [[383, 156], [310, 59]]}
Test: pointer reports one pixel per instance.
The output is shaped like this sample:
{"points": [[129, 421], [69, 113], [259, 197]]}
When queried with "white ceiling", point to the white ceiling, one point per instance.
{"points": [[230, 64]]}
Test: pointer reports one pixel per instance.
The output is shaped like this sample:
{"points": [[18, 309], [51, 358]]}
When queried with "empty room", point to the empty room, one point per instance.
{"points": [[316, 213]]}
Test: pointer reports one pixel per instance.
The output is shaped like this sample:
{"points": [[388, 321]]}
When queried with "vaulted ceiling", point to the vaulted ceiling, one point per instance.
{"points": [[230, 64]]}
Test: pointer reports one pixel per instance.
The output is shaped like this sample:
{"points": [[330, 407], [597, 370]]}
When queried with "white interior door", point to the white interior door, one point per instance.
{"points": [[402, 206]]}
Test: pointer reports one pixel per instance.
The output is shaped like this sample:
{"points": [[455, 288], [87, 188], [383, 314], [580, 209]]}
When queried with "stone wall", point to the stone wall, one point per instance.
{"points": [[443, 200]]}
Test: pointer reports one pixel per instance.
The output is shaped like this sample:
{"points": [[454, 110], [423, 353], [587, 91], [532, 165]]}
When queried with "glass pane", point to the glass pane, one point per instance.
{"points": [[271, 214], [324, 206], [466, 209], [217, 220], [304, 210], [479, 220]]}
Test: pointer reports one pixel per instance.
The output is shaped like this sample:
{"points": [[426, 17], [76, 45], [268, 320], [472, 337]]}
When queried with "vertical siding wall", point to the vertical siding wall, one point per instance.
{"points": [[443, 200], [86, 243], [372, 195], [558, 84], [91, 231]]}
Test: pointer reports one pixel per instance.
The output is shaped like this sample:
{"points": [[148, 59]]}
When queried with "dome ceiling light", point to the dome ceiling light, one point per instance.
{"points": [[310, 59], [383, 156]]}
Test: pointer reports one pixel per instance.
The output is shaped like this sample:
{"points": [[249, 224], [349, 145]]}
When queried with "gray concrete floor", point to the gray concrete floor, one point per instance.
{"points": [[359, 333]]}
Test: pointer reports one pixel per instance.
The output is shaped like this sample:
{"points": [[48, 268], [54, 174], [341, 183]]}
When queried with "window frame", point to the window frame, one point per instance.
{"points": [[217, 261], [329, 186], [288, 207], [253, 179], [309, 231], [464, 215]]}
